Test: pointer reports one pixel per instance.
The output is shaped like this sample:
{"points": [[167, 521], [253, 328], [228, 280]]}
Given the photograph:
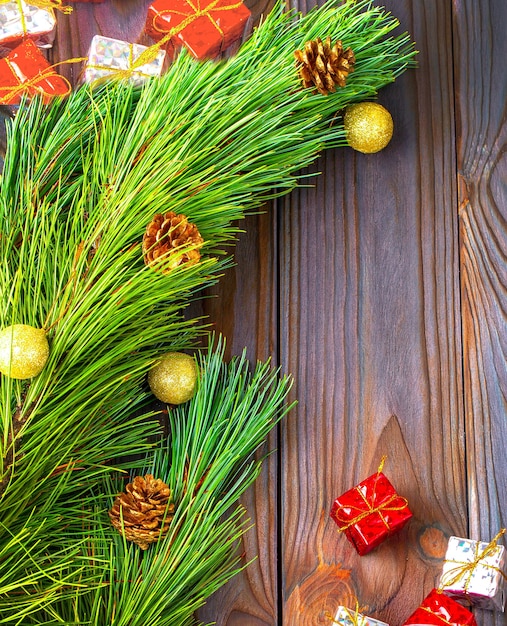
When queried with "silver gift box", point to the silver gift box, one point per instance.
{"points": [[349, 617], [483, 584], [20, 20], [111, 57]]}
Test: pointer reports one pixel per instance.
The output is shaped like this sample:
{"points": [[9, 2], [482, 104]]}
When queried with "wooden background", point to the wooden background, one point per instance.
{"points": [[382, 289]]}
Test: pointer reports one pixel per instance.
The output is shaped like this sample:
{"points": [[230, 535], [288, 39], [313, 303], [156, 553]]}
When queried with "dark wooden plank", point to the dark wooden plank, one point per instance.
{"points": [[243, 306], [369, 262], [480, 53]]}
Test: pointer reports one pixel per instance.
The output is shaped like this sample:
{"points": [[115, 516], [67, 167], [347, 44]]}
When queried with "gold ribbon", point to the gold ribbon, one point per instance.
{"points": [[22, 18], [354, 615], [191, 17], [134, 65], [41, 4], [467, 568], [440, 617], [383, 506], [51, 4], [32, 83], [150, 54], [197, 12]]}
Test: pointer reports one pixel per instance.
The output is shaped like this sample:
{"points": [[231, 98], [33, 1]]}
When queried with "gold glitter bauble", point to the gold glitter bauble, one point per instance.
{"points": [[369, 126], [24, 351], [172, 379]]}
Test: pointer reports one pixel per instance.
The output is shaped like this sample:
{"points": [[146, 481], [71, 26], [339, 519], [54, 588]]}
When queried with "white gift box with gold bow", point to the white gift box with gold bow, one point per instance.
{"points": [[109, 57], [350, 617], [20, 20], [474, 570]]}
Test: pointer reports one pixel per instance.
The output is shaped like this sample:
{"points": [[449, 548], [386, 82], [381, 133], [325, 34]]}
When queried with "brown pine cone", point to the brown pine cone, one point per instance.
{"points": [[322, 66], [171, 240], [143, 513]]}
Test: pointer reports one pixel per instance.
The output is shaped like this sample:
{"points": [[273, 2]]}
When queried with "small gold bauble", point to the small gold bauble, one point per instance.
{"points": [[173, 378], [369, 126], [24, 351]]}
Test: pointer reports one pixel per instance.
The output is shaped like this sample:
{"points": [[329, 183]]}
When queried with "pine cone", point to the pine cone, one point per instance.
{"points": [[322, 66], [143, 513], [167, 238]]}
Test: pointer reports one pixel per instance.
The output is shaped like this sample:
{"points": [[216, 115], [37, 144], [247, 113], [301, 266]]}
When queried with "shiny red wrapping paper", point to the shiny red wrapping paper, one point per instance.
{"points": [[439, 609], [25, 71], [205, 27], [370, 512]]}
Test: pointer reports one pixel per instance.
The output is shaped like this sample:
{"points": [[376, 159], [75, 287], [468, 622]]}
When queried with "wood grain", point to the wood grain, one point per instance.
{"points": [[369, 262], [243, 306], [480, 52]]}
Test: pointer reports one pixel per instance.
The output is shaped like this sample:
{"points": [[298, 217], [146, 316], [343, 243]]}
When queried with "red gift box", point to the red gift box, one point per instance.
{"points": [[205, 27], [370, 512], [439, 609], [25, 71]]}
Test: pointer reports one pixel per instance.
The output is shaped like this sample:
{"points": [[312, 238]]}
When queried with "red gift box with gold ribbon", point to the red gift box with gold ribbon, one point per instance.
{"points": [[204, 27], [370, 512], [25, 71], [439, 609]]}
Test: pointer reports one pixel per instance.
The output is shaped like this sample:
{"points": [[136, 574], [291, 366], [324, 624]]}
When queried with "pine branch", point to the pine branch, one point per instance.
{"points": [[82, 179], [208, 463], [255, 125]]}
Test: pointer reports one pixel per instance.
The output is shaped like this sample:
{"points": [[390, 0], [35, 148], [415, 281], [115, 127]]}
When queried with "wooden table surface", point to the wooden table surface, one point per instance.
{"points": [[382, 289]]}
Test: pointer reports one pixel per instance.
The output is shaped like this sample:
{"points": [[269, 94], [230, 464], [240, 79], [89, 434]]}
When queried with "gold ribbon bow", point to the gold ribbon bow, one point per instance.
{"points": [[150, 54], [354, 615], [437, 615], [134, 65], [40, 4], [371, 508], [196, 11], [25, 84], [465, 569]]}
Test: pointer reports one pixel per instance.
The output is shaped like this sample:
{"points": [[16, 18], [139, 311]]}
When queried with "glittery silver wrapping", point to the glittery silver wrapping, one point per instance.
{"points": [[107, 57], [349, 617], [20, 20], [484, 584]]}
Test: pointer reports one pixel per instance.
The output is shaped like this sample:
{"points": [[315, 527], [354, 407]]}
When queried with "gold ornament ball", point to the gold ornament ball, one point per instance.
{"points": [[24, 351], [173, 378], [369, 126]]}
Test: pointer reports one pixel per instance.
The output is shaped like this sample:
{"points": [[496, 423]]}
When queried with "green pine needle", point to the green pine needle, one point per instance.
{"points": [[208, 462], [82, 178]]}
